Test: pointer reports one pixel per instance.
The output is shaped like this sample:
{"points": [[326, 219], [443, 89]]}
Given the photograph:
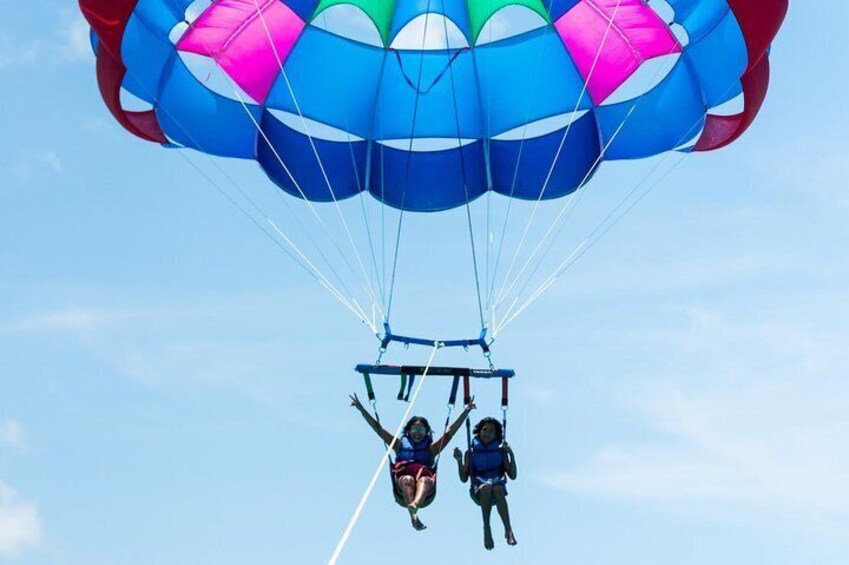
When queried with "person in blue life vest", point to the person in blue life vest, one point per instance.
{"points": [[489, 463], [416, 456]]}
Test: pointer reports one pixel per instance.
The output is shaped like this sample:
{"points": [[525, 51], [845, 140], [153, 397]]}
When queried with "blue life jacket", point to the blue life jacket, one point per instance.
{"points": [[488, 459], [415, 452]]}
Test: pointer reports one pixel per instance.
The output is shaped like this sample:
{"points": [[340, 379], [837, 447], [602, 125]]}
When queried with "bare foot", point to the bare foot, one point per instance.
{"points": [[487, 539], [417, 523], [511, 539]]}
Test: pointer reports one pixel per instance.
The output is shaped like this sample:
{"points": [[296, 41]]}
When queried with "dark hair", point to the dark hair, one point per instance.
{"points": [[499, 430], [421, 420]]}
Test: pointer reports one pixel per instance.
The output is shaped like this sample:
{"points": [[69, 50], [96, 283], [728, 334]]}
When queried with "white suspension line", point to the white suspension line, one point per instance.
{"points": [[304, 124], [311, 269], [298, 187], [463, 171], [581, 191], [601, 230], [537, 67], [567, 205], [308, 262], [330, 288], [321, 222], [340, 545], [560, 147], [409, 160]]}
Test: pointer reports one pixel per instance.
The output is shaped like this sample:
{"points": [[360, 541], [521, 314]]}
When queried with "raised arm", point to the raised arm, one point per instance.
{"points": [[374, 424], [511, 461], [462, 464], [443, 442]]}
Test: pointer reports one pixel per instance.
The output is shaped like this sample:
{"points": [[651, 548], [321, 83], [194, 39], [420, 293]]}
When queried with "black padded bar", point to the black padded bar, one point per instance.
{"points": [[436, 371]]}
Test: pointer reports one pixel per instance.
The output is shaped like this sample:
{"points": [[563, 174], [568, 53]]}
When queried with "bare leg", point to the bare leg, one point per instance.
{"points": [[485, 494], [423, 488], [504, 512], [408, 488]]}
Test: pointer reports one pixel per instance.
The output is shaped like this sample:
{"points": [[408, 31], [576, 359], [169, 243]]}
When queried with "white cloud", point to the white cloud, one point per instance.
{"points": [[76, 42], [12, 434], [20, 524], [32, 163], [190, 345], [73, 319], [755, 425], [15, 52]]}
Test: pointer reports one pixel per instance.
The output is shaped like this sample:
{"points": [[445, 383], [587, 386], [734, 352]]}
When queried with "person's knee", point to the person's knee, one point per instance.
{"points": [[406, 481], [426, 481]]}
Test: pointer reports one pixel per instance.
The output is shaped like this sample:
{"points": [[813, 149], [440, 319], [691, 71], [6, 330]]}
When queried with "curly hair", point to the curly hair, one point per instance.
{"points": [[499, 430], [423, 421]]}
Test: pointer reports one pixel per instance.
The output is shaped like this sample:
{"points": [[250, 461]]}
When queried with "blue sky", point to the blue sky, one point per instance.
{"points": [[173, 388]]}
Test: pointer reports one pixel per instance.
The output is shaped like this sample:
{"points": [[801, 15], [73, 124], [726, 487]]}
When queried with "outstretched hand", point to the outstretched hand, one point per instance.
{"points": [[458, 455], [355, 402], [471, 405]]}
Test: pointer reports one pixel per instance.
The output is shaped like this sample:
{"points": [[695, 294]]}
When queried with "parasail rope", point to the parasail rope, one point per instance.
{"points": [[340, 545], [354, 248], [560, 150]]}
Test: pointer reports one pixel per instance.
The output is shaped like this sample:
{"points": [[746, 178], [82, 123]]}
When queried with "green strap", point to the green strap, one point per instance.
{"points": [[369, 388]]}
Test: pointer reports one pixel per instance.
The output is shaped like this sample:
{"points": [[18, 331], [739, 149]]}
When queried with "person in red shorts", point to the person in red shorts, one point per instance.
{"points": [[414, 472]]}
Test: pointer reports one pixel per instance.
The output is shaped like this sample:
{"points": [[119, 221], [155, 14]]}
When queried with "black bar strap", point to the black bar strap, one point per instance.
{"points": [[403, 386], [452, 398], [412, 379]]}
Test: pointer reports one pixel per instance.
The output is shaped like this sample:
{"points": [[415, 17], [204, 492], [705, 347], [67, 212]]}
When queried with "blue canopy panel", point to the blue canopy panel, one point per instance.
{"points": [[557, 8], [520, 168], [194, 116], [527, 78], [161, 17], [699, 17], [334, 81], [719, 59], [304, 8], [428, 94], [434, 11], [288, 158], [659, 121], [145, 53], [428, 181]]}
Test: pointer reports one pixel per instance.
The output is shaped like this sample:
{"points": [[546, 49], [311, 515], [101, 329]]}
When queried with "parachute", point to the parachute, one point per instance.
{"points": [[430, 105]]}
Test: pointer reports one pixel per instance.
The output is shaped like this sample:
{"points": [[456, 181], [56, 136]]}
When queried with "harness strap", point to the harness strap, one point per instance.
{"points": [[505, 400], [412, 379], [452, 398], [403, 386], [369, 387]]}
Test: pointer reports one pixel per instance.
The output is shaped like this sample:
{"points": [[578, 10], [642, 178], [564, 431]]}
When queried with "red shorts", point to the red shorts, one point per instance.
{"points": [[417, 471], [410, 469]]}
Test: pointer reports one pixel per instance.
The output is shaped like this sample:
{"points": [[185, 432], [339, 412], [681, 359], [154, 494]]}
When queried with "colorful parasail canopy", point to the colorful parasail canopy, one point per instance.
{"points": [[428, 104]]}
